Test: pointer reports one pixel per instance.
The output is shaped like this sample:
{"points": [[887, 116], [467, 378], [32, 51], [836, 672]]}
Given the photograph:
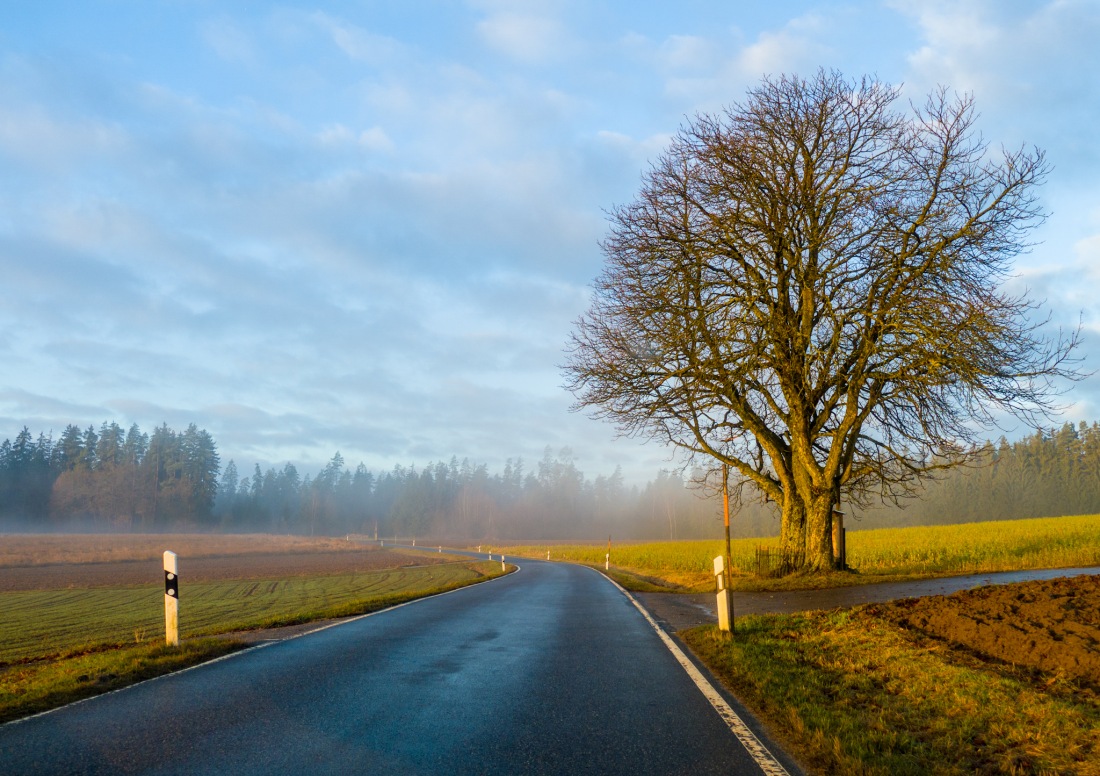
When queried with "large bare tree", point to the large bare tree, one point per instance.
{"points": [[808, 288]]}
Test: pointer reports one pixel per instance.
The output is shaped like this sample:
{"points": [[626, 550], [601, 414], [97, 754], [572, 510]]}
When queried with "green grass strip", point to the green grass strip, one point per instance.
{"points": [[38, 624], [33, 688]]}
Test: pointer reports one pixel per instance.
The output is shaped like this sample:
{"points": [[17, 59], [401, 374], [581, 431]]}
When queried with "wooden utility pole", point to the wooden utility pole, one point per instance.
{"points": [[726, 510], [729, 553]]}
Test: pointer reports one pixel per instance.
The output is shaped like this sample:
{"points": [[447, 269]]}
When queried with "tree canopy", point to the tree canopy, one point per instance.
{"points": [[808, 288]]}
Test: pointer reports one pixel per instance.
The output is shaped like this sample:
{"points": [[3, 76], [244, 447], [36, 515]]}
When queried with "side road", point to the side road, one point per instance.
{"points": [[677, 611]]}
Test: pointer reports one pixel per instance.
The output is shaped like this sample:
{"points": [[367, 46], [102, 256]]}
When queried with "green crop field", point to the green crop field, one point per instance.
{"points": [[45, 623], [1048, 542], [61, 645], [1053, 542]]}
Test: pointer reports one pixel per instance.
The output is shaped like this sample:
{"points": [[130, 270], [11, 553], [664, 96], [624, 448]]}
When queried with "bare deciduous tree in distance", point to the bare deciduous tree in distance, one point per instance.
{"points": [[808, 289]]}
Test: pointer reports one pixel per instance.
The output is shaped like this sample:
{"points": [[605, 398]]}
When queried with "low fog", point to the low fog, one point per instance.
{"points": [[116, 480]]}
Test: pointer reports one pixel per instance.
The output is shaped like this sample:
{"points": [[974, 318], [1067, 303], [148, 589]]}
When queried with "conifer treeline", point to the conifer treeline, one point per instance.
{"points": [[463, 501], [110, 478], [129, 480], [1049, 473]]}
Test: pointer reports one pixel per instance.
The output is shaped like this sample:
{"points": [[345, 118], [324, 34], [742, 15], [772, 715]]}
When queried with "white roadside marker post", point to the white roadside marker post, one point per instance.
{"points": [[725, 619], [502, 566], [171, 600]]}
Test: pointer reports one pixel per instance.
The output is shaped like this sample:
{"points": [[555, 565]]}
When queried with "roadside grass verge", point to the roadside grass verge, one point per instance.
{"points": [[883, 555], [57, 646], [849, 694], [36, 687]]}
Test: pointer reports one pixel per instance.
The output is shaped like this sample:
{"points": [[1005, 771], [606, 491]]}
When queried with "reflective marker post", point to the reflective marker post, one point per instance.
{"points": [[725, 603], [171, 600]]}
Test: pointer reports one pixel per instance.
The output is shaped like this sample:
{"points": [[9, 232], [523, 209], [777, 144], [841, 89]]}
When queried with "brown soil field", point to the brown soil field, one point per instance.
{"points": [[43, 549], [76, 561], [1049, 625], [256, 566]]}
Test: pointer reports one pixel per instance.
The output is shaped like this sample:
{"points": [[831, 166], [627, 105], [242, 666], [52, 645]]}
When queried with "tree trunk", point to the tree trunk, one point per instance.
{"points": [[819, 533], [792, 528]]}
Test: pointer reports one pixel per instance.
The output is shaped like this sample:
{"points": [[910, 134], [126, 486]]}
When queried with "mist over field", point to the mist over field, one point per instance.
{"points": [[168, 481]]}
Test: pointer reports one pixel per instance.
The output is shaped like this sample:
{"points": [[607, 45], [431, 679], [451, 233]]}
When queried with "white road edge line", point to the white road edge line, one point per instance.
{"points": [[261, 645], [756, 749]]}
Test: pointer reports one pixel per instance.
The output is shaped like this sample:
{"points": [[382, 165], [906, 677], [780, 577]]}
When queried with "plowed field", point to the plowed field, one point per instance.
{"points": [[276, 565], [1049, 625], [121, 560]]}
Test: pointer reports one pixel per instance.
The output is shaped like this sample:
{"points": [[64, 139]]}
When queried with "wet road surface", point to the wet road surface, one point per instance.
{"points": [[551, 670]]}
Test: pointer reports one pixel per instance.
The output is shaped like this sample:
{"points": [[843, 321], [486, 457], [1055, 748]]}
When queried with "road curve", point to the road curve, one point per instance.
{"points": [[552, 670]]}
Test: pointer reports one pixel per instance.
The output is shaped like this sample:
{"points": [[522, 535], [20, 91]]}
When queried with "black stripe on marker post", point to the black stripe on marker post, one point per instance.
{"points": [[171, 584]]}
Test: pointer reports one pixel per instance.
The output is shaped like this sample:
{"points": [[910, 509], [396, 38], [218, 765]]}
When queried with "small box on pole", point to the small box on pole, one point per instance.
{"points": [[171, 599], [840, 550]]}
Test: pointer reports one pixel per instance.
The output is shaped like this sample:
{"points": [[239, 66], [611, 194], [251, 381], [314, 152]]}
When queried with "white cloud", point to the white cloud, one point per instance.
{"points": [[335, 135], [228, 40], [798, 45], [375, 139], [30, 134], [708, 72], [372, 139], [687, 52], [358, 43], [1027, 64], [639, 151], [525, 37]]}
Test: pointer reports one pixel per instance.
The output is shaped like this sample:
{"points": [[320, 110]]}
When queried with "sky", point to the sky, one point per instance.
{"points": [[369, 227]]}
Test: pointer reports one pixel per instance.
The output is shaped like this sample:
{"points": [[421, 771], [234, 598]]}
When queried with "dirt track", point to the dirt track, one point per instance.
{"points": [[254, 566], [1051, 625]]}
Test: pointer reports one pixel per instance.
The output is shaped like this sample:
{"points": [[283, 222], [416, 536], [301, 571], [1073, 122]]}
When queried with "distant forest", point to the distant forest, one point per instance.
{"points": [[128, 480]]}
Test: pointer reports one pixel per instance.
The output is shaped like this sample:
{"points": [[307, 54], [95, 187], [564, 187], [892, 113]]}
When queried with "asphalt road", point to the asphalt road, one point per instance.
{"points": [[551, 670]]}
